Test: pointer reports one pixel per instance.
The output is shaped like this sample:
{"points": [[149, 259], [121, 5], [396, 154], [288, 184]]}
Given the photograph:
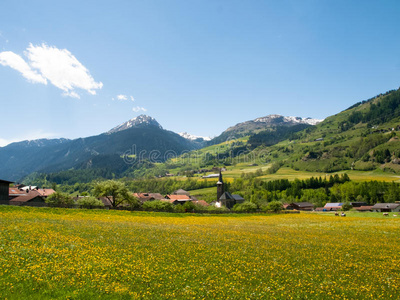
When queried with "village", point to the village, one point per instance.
{"points": [[21, 195]]}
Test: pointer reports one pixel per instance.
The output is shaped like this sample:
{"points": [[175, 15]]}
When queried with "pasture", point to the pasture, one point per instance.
{"points": [[48, 253]]}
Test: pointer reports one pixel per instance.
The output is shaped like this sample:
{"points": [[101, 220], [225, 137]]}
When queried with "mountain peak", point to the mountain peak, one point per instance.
{"points": [[277, 119], [136, 122]]}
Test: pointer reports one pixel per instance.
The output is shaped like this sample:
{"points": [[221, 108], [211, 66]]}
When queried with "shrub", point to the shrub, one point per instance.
{"points": [[245, 207], [89, 202], [158, 205], [60, 199], [275, 206]]}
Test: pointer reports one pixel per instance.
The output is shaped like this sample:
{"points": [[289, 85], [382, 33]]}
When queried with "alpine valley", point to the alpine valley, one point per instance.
{"points": [[363, 137]]}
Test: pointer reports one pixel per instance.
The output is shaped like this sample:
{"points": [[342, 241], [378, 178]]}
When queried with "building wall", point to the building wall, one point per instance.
{"points": [[4, 191]]}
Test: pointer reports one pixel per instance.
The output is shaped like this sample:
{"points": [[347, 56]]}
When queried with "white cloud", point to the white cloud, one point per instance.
{"points": [[138, 108], [122, 97], [12, 60], [57, 66], [132, 99]]}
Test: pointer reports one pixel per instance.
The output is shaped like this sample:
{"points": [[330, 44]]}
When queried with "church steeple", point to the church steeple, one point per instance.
{"points": [[220, 186]]}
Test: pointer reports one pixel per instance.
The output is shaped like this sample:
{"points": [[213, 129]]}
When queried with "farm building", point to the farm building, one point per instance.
{"points": [[333, 206], [386, 207], [301, 206], [4, 194]]}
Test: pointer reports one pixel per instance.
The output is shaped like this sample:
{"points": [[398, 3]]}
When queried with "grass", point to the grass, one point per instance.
{"points": [[80, 254]]}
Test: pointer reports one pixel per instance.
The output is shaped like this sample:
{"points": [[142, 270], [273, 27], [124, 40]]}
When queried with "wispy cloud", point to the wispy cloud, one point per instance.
{"points": [[138, 108], [16, 62], [122, 97], [50, 64]]}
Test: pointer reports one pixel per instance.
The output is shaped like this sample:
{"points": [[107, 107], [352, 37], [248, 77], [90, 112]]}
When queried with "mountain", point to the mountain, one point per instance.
{"points": [[363, 137], [270, 122], [119, 149]]}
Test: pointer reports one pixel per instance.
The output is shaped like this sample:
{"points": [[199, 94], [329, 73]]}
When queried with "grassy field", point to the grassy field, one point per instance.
{"points": [[78, 254]]}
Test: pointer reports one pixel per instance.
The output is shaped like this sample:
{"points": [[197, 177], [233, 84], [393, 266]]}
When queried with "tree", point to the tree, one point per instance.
{"points": [[116, 192], [60, 199]]}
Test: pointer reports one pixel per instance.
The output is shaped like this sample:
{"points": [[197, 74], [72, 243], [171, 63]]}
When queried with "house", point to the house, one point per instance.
{"points": [[4, 191], [386, 207], [307, 206], [333, 206], [178, 199], [31, 198], [143, 197], [229, 200]]}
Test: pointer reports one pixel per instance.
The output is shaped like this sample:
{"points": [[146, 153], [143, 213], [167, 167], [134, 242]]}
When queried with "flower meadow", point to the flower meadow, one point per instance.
{"points": [[49, 253]]}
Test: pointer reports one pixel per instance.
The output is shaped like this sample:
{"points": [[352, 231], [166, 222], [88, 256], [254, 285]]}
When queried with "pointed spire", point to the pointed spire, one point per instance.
{"points": [[220, 181]]}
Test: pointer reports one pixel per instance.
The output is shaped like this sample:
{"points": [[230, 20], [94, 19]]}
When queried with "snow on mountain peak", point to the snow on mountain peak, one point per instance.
{"points": [[192, 137], [140, 120]]}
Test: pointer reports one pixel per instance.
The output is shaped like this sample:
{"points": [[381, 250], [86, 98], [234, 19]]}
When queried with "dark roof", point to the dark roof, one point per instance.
{"points": [[385, 205], [303, 204], [5, 181], [237, 197], [226, 196]]}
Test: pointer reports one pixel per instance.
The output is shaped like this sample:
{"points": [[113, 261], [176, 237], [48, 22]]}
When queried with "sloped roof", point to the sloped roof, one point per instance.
{"points": [[201, 202], [303, 204], [46, 192], [148, 196], [27, 197], [226, 196], [5, 181], [237, 197], [333, 205], [181, 192], [15, 192], [364, 208], [178, 197], [385, 206]]}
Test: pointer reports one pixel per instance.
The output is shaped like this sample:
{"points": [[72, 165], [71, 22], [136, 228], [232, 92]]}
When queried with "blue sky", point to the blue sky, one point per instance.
{"points": [[71, 68]]}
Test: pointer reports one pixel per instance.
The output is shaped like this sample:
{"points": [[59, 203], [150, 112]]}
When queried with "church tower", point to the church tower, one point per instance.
{"points": [[220, 186]]}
